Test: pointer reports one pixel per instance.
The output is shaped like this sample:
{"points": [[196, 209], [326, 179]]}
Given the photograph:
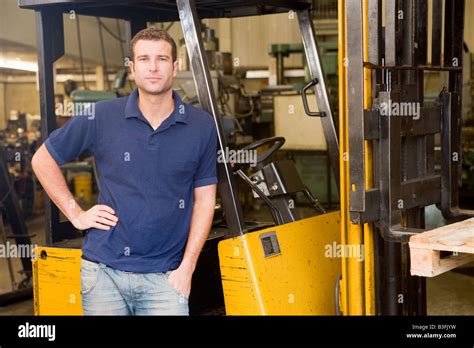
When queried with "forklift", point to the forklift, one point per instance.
{"points": [[292, 266]]}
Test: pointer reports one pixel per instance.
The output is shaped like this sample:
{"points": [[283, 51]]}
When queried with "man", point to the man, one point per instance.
{"points": [[157, 162]]}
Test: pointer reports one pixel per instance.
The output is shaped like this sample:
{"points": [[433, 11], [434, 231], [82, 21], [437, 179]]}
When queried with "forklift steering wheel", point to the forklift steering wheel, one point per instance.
{"points": [[274, 142]]}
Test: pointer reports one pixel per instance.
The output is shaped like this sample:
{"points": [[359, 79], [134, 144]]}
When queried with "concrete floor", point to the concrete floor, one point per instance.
{"points": [[451, 293]]}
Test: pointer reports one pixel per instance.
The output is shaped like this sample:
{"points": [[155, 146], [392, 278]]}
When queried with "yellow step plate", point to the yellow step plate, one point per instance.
{"points": [[57, 281], [283, 270]]}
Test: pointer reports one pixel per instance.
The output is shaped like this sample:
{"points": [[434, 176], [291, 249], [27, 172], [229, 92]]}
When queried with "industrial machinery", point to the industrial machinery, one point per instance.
{"points": [[294, 265], [90, 96], [19, 240], [18, 202]]}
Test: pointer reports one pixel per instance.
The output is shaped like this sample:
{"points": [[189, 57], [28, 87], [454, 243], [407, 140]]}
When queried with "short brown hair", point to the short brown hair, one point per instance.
{"points": [[154, 34]]}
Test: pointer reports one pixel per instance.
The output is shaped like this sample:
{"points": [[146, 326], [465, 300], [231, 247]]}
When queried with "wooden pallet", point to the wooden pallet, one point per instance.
{"points": [[442, 249]]}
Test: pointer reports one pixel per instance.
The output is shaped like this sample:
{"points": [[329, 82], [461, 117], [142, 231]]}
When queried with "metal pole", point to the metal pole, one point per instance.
{"points": [[202, 78], [50, 44], [316, 72]]}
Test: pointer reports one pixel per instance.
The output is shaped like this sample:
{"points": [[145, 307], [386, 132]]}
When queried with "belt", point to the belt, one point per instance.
{"points": [[87, 259]]}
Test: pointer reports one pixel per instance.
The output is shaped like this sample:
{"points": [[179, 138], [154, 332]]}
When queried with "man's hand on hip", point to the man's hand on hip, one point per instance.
{"points": [[99, 216]]}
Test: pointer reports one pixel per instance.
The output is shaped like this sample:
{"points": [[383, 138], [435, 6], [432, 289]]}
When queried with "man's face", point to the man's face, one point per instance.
{"points": [[152, 67]]}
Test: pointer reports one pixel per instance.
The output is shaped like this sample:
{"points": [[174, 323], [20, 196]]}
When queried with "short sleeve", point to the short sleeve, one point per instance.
{"points": [[206, 173], [73, 139]]}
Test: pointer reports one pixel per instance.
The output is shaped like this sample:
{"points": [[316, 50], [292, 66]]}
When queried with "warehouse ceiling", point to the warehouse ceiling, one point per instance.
{"points": [[17, 60], [18, 42]]}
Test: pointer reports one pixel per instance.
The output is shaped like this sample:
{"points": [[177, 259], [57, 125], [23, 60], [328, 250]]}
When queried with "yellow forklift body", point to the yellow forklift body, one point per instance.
{"points": [[57, 281], [298, 280]]}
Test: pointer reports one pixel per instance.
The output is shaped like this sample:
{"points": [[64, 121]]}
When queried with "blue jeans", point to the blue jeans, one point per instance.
{"points": [[107, 291]]}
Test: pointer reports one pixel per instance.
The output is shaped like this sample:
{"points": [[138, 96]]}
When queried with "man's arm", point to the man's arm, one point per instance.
{"points": [[51, 178], [201, 221]]}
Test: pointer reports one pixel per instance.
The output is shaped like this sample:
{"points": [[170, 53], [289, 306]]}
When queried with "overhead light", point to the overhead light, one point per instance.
{"points": [[18, 64]]}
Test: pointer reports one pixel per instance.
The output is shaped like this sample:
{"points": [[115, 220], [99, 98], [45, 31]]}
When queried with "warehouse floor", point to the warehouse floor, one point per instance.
{"points": [[448, 294]]}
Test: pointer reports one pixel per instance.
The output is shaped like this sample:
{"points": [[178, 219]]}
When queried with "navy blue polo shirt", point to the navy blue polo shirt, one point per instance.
{"points": [[147, 176]]}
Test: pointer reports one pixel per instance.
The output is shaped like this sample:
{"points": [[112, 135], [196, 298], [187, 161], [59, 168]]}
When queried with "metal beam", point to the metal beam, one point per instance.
{"points": [[390, 32], [132, 27], [355, 112], [202, 78], [375, 30], [316, 71], [50, 44], [421, 37], [436, 37]]}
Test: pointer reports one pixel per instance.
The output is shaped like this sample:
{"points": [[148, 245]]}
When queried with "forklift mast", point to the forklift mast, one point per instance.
{"points": [[388, 131]]}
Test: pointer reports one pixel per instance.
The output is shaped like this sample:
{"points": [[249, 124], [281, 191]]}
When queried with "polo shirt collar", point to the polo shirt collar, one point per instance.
{"points": [[178, 115]]}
